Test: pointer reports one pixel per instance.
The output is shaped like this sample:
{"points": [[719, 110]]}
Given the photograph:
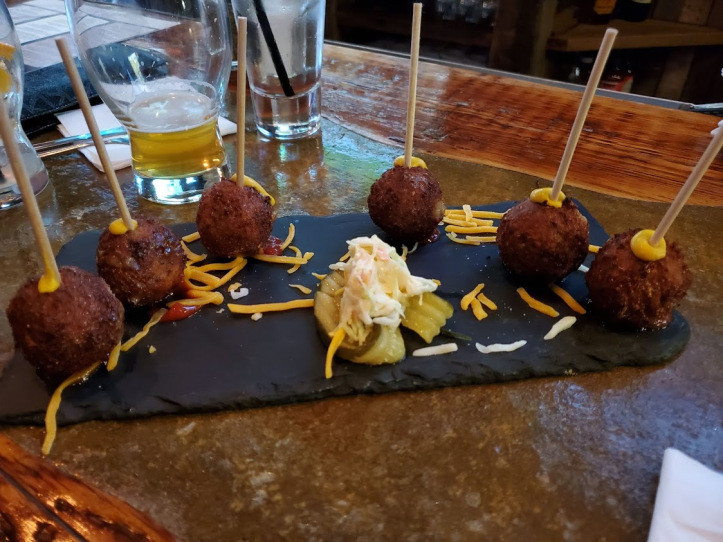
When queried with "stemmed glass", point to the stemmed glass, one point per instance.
{"points": [[161, 67], [12, 71]]}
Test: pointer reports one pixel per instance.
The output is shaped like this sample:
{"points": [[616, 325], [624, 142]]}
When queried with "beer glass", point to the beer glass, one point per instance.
{"points": [[11, 91], [161, 66]]}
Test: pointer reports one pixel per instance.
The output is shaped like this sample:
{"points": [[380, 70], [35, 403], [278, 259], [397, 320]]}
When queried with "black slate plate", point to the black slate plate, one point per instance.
{"points": [[214, 361]]}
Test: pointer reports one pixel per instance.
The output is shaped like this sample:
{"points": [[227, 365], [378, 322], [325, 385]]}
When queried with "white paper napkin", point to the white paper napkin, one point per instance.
{"points": [[689, 503], [73, 123]]}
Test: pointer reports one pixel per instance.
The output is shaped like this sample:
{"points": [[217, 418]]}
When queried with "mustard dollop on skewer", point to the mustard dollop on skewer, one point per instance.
{"points": [[641, 247], [416, 162], [542, 195], [118, 227]]}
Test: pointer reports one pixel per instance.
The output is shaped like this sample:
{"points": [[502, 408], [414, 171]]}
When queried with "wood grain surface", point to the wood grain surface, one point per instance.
{"points": [[627, 149], [90, 513]]}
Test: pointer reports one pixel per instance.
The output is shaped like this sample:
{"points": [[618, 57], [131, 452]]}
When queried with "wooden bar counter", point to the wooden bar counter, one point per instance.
{"points": [[575, 458]]}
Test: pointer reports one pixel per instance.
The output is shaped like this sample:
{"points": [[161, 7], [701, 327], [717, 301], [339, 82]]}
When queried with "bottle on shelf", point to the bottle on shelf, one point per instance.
{"points": [[634, 10], [595, 11]]}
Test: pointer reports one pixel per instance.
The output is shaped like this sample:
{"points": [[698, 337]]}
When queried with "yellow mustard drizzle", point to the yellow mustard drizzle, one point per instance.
{"points": [[641, 247], [48, 283], [118, 227], [542, 195], [248, 181], [416, 162]]}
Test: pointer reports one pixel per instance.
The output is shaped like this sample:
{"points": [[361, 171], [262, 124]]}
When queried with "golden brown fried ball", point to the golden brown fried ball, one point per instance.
{"points": [[234, 220], [633, 293], [541, 244], [407, 204], [142, 266], [66, 331]]}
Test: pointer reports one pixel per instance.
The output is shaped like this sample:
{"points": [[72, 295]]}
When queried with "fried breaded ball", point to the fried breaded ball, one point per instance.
{"points": [[541, 244], [65, 331], [234, 220], [407, 204], [142, 266], [633, 293]]}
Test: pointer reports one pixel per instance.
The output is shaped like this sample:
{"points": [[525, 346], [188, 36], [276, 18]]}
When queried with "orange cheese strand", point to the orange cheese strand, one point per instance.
{"points": [[568, 299], [303, 289], [453, 237], [113, 357], [222, 266], [336, 341], [191, 237], [199, 298], [271, 307], [593, 248], [282, 259], [471, 229], [248, 181], [481, 238], [296, 267], [459, 213], [477, 309], [130, 343], [191, 256], [51, 425], [487, 302], [641, 247], [542, 195], [467, 299], [537, 305], [289, 237]]}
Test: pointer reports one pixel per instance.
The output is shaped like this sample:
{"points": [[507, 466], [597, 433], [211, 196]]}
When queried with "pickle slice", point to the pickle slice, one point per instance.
{"points": [[426, 319], [383, 345]]}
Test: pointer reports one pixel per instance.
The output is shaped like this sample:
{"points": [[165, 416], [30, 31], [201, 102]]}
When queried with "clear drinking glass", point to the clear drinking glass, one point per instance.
{"points": [[283, 62], [12, 71], [161, 66]]}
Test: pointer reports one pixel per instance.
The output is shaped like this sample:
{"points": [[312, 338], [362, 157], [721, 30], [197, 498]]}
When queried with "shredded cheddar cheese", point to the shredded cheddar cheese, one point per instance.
{"points": [[51, 426], [537, 305], [130, 343], [336, 341], [294, 268], [477, 309], [471, 229], [467, 299], [113, 358], [486, 301], [477, 239], [319, 276], [283, 259], [234, 286], [289, 237], [453, 237], [568, 299], [475, 214], [593, 248], [191, 256], [248, 181], [191, 237], [271, 307], [303, 289]]}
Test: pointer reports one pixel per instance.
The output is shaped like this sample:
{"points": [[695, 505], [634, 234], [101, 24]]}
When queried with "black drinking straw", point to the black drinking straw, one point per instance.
{"points": [[273, 48]]}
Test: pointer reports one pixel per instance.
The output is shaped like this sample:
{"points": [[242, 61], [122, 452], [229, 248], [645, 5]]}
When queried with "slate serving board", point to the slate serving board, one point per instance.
{"points": [[216, 360]]}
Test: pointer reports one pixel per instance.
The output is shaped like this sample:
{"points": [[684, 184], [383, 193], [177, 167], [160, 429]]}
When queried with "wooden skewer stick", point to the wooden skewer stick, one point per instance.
{"points": [[84, 103], [695, 176], [26, 191], [412, 98], [587, 96], [241, 101]]}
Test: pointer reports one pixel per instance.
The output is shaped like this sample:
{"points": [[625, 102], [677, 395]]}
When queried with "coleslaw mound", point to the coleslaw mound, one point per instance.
{"points": [[378, 287]]}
